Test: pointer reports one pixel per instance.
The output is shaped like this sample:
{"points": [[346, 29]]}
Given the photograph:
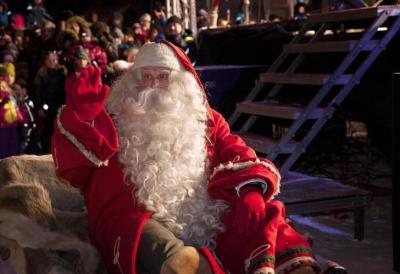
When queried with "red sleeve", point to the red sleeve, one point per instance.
{"points": [[233, 162], [70, 164], [78, 148]]}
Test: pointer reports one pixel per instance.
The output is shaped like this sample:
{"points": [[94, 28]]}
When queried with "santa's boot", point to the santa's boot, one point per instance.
{"points": [[329, 267], [186, 261]]}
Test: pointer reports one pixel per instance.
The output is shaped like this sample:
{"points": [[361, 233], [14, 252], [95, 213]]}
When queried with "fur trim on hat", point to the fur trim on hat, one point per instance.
{"points": [[121, 66], [99, 28], [4, 5], [66, 34], [158, 55], [76, 19]]}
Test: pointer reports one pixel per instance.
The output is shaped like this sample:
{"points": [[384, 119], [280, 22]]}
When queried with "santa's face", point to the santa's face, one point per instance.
{"points": [[154, 77]]}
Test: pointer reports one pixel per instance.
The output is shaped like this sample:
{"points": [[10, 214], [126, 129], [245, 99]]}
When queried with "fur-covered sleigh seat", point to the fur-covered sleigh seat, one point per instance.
{"points": [[43, 221]]}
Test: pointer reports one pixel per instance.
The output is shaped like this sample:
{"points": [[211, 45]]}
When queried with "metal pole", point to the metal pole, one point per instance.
{"points": [[396, 172]]}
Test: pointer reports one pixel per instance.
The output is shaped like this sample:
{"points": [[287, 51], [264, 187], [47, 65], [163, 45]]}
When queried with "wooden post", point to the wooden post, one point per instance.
{"points": [[246, 11], [168, 8], [396, 171], [185, 13], [174, 7], [324, 6], [214, 13], [193, 16], [267, 8]]}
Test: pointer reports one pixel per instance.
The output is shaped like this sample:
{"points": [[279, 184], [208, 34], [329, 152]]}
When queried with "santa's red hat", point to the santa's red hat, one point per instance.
{"points": [[167, 55]]}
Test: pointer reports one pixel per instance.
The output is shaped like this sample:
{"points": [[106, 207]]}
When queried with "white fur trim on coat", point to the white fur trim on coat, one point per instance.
{"points": [[289, 265], [241, 165]]}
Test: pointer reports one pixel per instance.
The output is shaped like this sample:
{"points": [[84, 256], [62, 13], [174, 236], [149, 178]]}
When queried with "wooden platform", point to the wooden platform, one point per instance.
{"points": [[305, 194], [354, 14]]}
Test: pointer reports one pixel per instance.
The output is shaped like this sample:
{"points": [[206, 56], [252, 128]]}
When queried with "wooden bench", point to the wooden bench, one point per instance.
{"points": [[304, 194]]}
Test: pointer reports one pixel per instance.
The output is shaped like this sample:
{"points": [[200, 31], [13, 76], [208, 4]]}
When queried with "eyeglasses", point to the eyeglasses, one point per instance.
{"points": [[155, 78]]}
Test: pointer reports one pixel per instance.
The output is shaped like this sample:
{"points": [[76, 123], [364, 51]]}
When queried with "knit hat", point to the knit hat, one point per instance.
{"points": [[117, 15], [7, 69], [47, 24], [81, 53], [4, 5], [117, 33], [86, 32], [19, 33], [10, 69], [3, 71], [174, 19]]}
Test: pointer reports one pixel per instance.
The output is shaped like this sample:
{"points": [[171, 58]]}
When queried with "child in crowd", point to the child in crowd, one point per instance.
{"points": [[30, 143], [10, 118], [49, 90]]}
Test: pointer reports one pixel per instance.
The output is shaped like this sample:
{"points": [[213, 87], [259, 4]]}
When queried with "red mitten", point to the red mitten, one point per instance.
{"points": [[86, 93], [250, 211]]}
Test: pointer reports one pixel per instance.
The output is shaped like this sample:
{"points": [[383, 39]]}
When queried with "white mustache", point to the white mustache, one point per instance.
{"points": [[153, 100]]}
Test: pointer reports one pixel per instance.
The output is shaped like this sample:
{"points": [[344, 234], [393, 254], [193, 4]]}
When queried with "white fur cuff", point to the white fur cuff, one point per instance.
{"points": [[241, 165]]}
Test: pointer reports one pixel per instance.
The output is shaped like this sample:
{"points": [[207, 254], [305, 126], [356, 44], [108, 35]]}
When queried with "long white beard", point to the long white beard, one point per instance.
{"points": [[162, 137]]}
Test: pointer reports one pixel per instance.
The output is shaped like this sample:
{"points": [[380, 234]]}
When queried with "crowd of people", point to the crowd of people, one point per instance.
{"points": [[37, 53]]}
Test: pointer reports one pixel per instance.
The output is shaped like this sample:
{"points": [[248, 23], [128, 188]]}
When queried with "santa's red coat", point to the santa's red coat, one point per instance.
{"points": [[87, 157]]}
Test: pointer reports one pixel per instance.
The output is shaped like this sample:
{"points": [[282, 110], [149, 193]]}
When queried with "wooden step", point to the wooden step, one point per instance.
{"points": [[265, 144], [344, 15], [301, 78], [334, 46], [276, 110]]}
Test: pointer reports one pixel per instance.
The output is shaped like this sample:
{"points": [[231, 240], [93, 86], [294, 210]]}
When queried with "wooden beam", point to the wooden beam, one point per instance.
{"points": [[334, 46], [301, 78], [276, 110], [344, 15]]}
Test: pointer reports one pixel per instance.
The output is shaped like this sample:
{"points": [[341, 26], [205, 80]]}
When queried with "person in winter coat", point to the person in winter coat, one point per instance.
{"points": [[168, 187]]}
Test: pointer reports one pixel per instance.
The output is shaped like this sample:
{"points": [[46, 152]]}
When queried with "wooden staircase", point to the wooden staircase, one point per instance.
{"points": [[322, 34], [334, 86]]}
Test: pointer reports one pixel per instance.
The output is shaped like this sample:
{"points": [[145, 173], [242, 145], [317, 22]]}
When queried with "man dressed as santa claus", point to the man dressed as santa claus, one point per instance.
{"points": [[167, 187]]}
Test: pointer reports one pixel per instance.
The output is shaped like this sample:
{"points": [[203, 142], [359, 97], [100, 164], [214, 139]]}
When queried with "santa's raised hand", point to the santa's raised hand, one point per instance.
{"points": [[86, 93]]}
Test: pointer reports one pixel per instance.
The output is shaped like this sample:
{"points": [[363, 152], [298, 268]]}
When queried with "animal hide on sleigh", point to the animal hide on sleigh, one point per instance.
{"points": [[43, 222]]}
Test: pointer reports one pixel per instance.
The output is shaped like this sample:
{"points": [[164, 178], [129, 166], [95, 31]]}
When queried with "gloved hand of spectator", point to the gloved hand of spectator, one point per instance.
{"points": [[250, 211], [86, 93]]}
